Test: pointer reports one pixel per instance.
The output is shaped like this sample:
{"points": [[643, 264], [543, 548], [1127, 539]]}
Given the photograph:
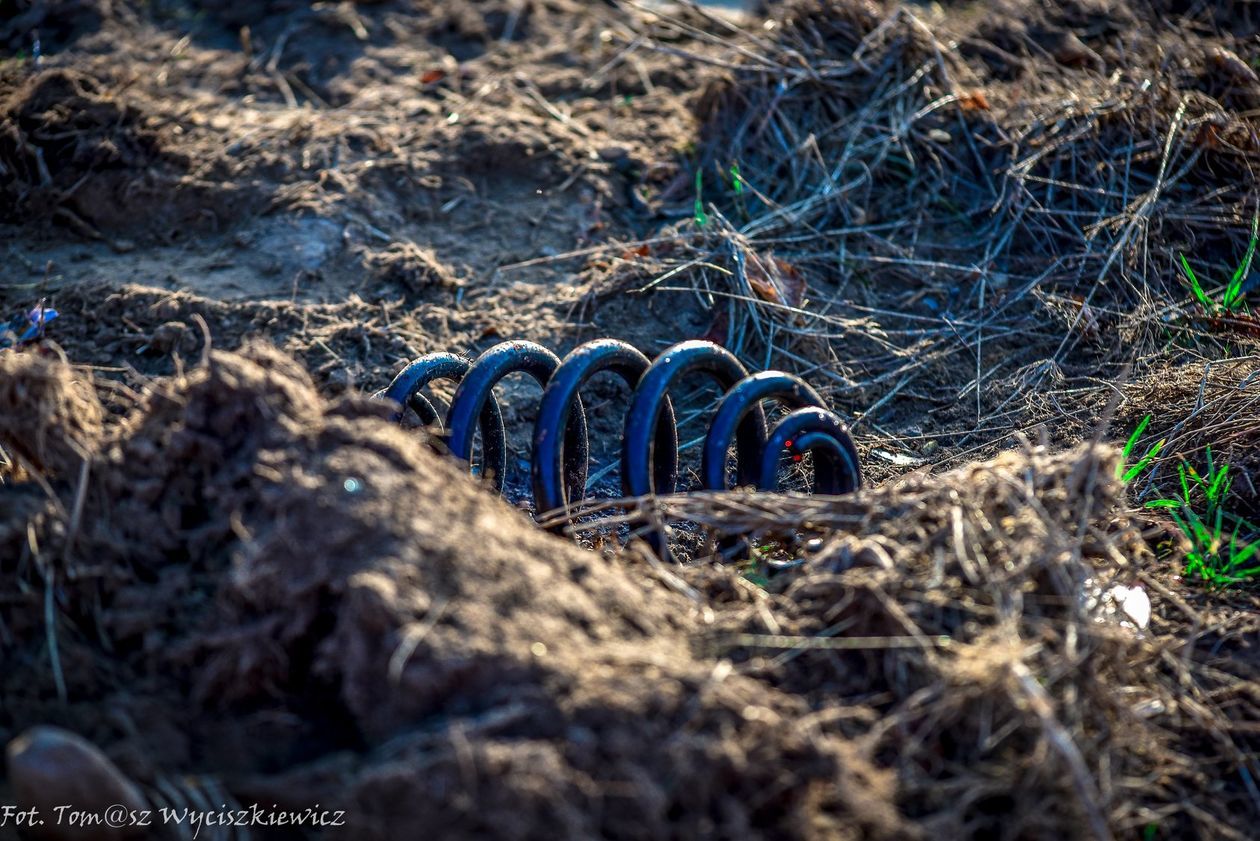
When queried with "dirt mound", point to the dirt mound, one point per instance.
{"points": [[153, 329], [283, 590], [982, 637], [968, 624], [97, 158], [1014, 125], [957, 223], [288, 585], [61, 126]]}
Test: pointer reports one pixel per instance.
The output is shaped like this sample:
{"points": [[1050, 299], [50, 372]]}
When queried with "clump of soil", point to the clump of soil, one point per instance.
{"points": [[99, 159], [52, 421], [65, 133], [408, 265]]}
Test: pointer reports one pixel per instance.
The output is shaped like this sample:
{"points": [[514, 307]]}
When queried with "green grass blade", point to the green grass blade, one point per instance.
{"points": [[1243, 523], [1200, 535], [1145, 462], [1163, 503], [702, 218], [1133, 439], [1217, 491], [1233, 292], [1195, 476], [1185, 527], [1195, 287], [1245, 554]]}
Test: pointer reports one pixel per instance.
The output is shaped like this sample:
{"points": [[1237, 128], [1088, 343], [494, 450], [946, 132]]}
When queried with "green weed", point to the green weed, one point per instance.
{"points": [[702, 218], [1128, 474], [1216, 557], [1232, 297]]}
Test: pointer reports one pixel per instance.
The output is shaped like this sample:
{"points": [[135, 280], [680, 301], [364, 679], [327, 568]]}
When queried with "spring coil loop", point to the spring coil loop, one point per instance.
{"points": [[649, 452]]}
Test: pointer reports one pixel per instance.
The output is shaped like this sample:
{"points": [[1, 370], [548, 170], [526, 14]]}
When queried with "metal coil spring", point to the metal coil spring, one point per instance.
{"points": [[649, 452]]}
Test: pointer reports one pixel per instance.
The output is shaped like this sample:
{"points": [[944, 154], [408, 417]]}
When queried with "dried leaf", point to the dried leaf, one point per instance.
{"points": [[776, 281], [642, 251], [974, 100]]}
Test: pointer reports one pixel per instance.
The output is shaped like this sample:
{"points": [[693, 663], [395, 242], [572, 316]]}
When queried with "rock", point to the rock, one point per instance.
{"points": [[50, 767], [169, 336], [613, 153]]}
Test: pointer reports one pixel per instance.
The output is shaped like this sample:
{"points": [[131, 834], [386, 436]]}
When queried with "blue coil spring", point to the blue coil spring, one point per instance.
{"points": [[649, 453]]}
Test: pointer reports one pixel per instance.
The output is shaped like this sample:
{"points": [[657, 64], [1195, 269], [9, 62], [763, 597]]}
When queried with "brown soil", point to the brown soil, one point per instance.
{"points": [[289, 586], [224, 567]]}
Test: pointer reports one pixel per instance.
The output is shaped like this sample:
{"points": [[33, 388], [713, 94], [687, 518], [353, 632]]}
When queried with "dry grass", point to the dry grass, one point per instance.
{"points": [[53, 420], [989, 250], [946, 621], [987, 233]]}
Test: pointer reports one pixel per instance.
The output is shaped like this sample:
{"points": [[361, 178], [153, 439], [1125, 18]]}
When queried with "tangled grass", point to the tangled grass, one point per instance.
{"points": [[925, 220], [967, 627]]}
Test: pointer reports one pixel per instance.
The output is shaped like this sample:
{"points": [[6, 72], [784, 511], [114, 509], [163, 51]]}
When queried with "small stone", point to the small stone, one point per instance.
{"points": [[613, 153], [340, 380], [173, 335], [51, 767]]}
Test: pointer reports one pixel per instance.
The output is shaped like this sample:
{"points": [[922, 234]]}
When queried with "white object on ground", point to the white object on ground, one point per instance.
{"points": [[1131, 606]]}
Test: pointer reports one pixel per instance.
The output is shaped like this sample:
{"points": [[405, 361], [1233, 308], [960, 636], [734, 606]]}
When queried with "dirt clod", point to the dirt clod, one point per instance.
{"points": [[52, 419], [408, 265], [67, 142]]}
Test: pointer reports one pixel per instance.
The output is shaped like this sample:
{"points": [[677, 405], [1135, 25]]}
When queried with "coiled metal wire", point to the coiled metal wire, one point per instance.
{"points": [[560, 458]]}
